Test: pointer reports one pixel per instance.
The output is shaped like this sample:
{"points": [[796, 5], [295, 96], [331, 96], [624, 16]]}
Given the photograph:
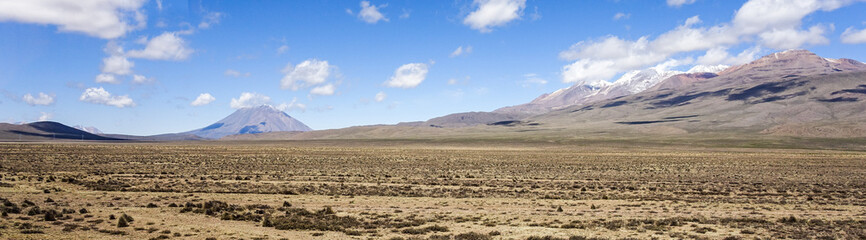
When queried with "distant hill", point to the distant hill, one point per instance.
{"points": [[261, 119], [40, 131]]}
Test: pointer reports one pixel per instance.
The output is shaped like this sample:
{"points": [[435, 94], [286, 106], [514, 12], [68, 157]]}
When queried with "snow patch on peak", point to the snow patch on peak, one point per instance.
{"points": [[598, 84], [706, 68], [639, 80]]}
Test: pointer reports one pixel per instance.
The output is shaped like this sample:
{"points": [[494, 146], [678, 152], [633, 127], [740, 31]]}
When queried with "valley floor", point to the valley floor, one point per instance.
{"points": [[428, 190]]}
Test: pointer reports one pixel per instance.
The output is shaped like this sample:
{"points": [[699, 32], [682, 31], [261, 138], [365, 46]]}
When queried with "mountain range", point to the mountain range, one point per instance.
{"points": [[791, 93]]}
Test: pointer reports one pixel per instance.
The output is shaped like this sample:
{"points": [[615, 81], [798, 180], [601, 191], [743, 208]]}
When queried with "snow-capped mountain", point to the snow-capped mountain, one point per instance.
{"points": [[251, 120], [582, 93]]}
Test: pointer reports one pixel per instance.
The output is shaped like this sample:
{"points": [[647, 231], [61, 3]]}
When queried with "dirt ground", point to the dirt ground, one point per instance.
{"points": [[335, 190]]}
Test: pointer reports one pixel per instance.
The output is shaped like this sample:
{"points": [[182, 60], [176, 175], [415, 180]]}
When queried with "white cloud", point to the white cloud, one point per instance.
{"points": [[282, 49], [380, 97], [768, 23], [139, 79], [408, 76], [159, 5], [41, 99], [370, 13], [167, 46], [324, 90], [494, 13], [757, 16], [793, 38], [461, 51], [117, 64], [452, 81], [306, 74], [405, 14], [45, 116], [854, 36], [620, 15], [107, 78], [720, 55], [100, 96], [588, 71], [294, 105], [248, 99], [235, 73], [203, 99], [106, 19], [678, 3], [210, 19]]}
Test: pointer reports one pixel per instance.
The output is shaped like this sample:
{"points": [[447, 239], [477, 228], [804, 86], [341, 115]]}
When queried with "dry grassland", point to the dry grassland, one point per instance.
{"points": [[390, 190]]}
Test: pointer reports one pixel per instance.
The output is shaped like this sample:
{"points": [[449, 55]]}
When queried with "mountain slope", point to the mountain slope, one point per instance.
{"points": [[782, 93], [46, 130], [578, 94], [629, 83], [252, 120]]}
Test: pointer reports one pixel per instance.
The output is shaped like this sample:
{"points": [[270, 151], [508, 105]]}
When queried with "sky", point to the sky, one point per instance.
{"points": [[149, 67]]}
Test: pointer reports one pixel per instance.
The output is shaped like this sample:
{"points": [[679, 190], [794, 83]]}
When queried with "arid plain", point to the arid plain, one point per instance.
{"points": [[432, 189]]}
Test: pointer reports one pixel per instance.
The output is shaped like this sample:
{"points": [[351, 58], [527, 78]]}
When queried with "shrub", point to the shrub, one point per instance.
{"points": [[49, 216], [121, 222]]}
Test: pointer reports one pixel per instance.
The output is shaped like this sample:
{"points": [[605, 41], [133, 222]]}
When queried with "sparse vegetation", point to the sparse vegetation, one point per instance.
{"points": [[423, 192]]}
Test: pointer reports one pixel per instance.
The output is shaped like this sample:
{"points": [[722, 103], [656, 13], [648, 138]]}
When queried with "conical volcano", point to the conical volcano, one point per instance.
{"points": [[252, 120]]}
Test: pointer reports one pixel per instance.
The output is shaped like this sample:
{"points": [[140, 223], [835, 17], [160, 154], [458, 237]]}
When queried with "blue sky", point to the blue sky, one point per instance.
{"points": [[142, 67]]}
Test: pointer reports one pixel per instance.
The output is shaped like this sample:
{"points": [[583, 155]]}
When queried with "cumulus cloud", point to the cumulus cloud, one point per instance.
{"points": [[40, 99], [854, 36], [765, 23], [45, 116], [793, 38], [107, 78], [248, 99], [370, 13], [116, 64], [408, 76], [294, 105], [757, 16], [678, 3], [380, 97], [167, 46], [461, 51], [106, 19], [324, 90], [620, 15], [720, 55], [209, 19], [100, 96], [203, 99], [494, 13], [306, 74]]}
